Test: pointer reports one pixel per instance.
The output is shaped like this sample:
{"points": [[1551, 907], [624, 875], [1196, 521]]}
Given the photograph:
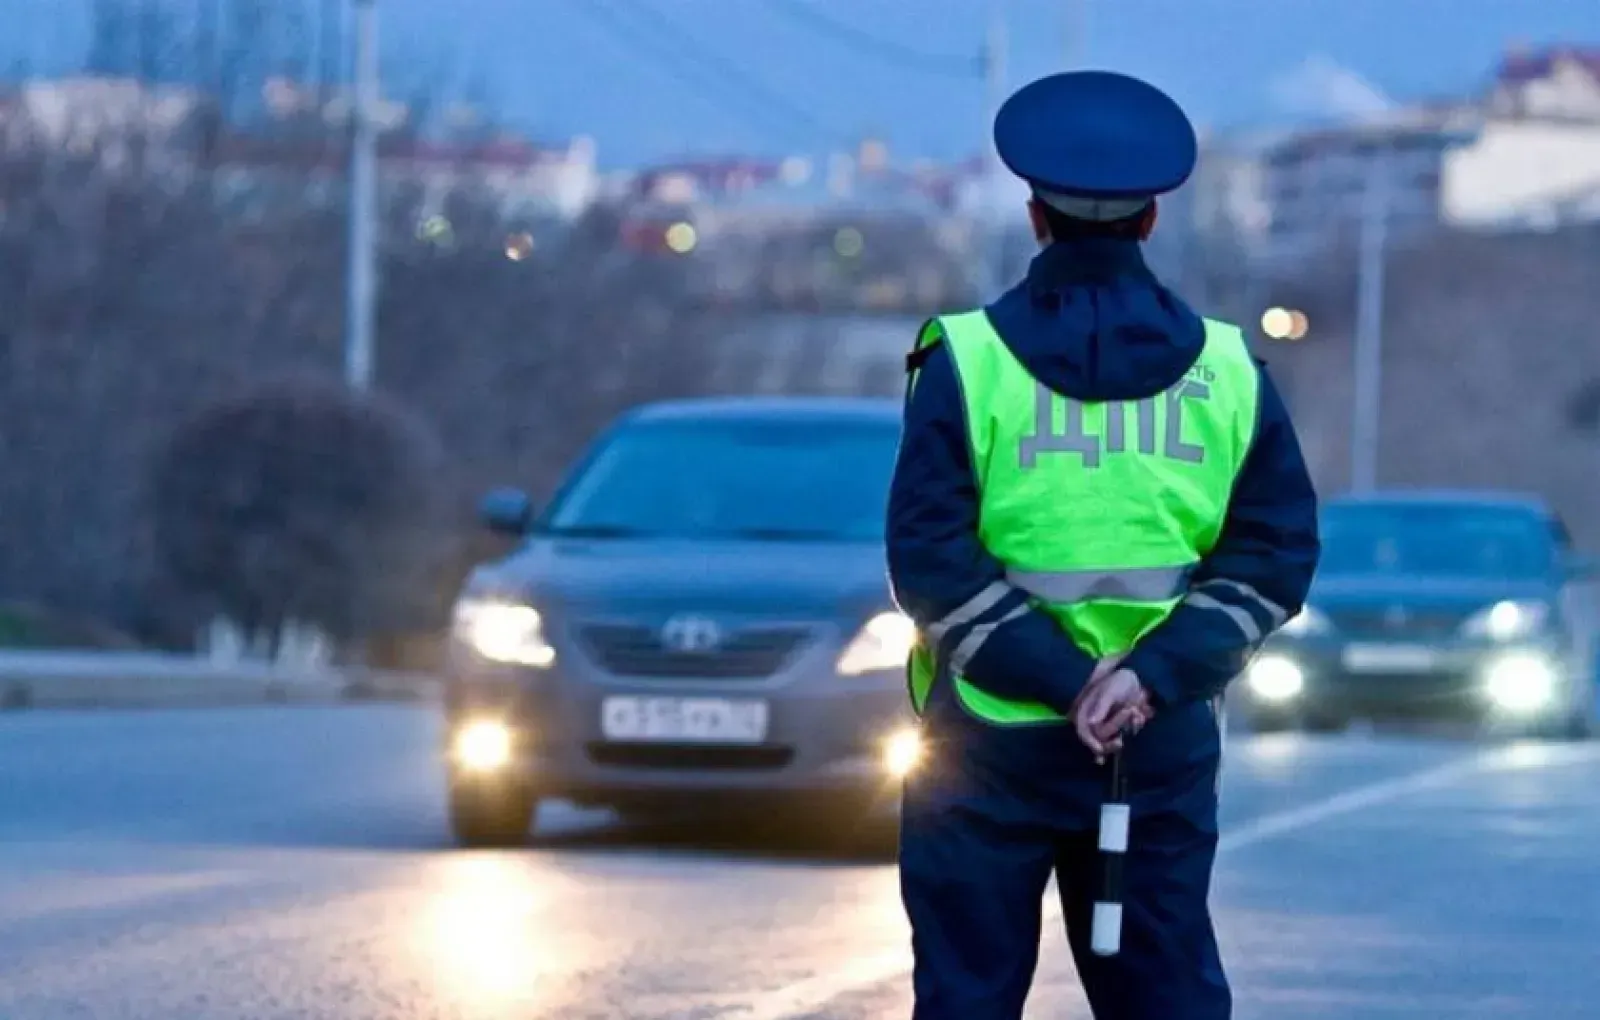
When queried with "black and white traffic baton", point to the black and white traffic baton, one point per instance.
{"points": [[1106, 936]]}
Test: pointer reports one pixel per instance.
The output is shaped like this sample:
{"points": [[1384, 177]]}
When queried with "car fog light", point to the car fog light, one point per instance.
{"points": [[1520, 683], [902, 753], [483, 746], [1275, 678]]}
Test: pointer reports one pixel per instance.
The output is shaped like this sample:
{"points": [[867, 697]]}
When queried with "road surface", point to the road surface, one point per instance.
{"points": [[291, 864]]}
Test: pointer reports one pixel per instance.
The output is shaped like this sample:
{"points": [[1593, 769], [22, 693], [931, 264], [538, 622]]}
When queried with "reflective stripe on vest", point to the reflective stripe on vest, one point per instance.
{"points": [[1149, 584], [1098, 510]]}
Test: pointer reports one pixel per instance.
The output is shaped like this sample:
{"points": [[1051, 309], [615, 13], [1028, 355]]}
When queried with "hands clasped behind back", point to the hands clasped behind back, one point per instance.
{"points": [[1112, 702]]}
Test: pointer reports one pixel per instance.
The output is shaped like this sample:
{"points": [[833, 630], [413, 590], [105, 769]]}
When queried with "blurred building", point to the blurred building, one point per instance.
{"points": [[1524, 153], [1525, 172], [1316, 184], [528, 182], [744, 194], [1226, 194], [80, 114], [300, 145], [446, 150], [1209, 229], [1536, 160], [1559, 83], [841, 232]]}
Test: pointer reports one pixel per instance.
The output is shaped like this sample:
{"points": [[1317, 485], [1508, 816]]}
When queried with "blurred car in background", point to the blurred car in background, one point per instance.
{"points": [[1437, 605], [699, 619]]}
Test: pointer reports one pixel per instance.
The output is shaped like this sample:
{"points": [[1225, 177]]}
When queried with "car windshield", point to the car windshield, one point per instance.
{"points": [[1435, 540], [765, 480]]}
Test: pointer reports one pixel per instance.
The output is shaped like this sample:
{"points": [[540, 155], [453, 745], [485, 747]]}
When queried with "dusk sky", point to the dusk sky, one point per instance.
{"points": [[652, 79], [1228, 61]]}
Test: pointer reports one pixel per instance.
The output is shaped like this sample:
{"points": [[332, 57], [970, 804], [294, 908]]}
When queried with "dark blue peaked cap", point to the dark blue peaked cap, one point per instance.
{"points": [[1096, 135]]}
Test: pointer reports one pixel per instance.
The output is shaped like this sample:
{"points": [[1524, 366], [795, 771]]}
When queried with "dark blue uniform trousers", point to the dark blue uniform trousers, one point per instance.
{"points": [[974, 868]]}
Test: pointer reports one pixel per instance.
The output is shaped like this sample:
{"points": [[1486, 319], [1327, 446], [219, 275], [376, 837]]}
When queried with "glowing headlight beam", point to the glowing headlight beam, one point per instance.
{"points": [[507, 632], [883, 644], [1520, 683], [1275, 678], [1507, 620], [482, 746], [902, 753]]}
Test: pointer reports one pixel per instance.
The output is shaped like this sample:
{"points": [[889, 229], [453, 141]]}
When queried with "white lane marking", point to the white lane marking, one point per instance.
{"points": [[1280, 823], [803, 998]]}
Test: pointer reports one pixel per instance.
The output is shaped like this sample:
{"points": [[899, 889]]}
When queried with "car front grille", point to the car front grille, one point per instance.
{"points": [[690, 757], [1385, 625], [636, 651]]}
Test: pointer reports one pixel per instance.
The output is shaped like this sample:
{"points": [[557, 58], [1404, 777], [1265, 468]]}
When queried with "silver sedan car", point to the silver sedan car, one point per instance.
{"points": [[698, 620]]}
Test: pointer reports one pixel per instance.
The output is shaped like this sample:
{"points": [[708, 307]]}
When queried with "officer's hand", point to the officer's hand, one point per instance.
{"points": [[1126, 721], [1104, 668], [1109, 706]]}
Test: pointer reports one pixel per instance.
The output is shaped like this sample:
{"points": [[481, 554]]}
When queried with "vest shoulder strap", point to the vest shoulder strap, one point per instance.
{"points": [[929, 337], [920, 355], [938, 332]]}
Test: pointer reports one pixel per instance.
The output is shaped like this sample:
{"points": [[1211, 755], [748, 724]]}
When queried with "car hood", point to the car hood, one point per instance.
{"points": [[1455, 592], [789, 579]]}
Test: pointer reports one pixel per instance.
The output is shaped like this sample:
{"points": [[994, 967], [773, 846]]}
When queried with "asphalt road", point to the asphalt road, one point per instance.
{"points": [[292, 864]]}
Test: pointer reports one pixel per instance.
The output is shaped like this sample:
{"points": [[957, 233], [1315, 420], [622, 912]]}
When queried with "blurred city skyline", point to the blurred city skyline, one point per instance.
{"points": [[653, 80]]}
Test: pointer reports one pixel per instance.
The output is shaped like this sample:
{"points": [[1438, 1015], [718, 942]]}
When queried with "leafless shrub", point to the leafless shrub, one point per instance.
{"points": [[299, 501]]}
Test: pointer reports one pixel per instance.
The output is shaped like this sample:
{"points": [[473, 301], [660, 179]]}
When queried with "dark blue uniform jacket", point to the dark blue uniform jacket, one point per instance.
{"points": [[1093, 323]]}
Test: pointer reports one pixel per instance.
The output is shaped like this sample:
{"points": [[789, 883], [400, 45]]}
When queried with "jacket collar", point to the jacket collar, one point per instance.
{"points": [[1086, 262]]}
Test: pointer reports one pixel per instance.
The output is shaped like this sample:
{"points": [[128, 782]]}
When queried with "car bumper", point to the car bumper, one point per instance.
{"points": [[825, 735], [1450, 681]]}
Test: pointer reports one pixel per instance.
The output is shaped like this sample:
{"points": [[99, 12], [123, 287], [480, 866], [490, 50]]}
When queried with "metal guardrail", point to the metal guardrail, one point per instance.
{"points": [[30, 679]]}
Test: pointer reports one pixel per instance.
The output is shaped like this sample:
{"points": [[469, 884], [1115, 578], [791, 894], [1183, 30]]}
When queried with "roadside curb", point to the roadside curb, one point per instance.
{"points": [[49, 680]]}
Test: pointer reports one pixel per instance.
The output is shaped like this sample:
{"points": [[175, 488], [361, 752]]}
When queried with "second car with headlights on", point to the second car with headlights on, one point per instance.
{"points": [[699, 619], [1437, 605]]}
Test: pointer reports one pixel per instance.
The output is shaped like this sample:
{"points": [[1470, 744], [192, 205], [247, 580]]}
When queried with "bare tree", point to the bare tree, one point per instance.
{"points": [[136, 297], [300, 502]]}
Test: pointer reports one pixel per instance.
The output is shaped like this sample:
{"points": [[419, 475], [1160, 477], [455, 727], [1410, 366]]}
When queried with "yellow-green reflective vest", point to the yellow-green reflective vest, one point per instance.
{"points": [[1098, 510]]}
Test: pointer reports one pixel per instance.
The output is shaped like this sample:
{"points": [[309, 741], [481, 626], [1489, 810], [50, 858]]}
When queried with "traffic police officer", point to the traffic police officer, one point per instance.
{"points": [[1099, 511]]}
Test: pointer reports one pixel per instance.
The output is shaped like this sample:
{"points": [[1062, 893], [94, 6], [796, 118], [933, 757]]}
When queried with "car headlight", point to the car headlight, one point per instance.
{"points": [[503, 631], [482, 746], [1275, 678], [884, 643], [1520, 683], [1307, 621], [1507, 621], [902, 753]]}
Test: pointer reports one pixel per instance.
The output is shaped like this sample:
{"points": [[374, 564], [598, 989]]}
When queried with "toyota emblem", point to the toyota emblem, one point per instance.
{"points": [[1396, 617], [691, 634]]}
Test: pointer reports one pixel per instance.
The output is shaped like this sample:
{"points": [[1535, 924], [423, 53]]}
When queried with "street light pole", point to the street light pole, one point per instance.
{"points": [[1365, 431], [1075, 35], [991, 235], [361, 275]]}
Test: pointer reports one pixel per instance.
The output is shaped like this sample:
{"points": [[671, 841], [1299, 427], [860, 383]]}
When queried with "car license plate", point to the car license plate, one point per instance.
{"points": [[684, 720], [1390, 659]]}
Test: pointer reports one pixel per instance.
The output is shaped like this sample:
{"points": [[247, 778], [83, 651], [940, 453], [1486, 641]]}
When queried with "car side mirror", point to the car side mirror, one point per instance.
{"points": [[506, 512]]}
